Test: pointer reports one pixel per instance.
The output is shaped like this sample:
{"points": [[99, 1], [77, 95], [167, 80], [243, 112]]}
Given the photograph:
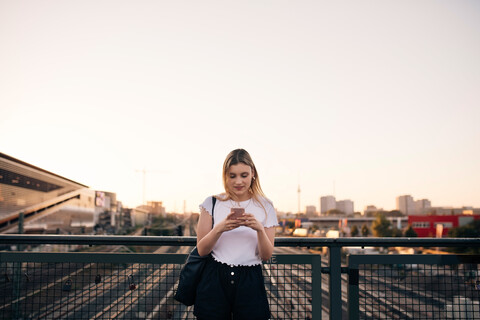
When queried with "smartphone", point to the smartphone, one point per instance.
{"points": [[237, 212]]}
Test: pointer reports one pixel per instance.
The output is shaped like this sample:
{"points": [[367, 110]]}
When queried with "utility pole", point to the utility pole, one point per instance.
{"points": [[144, 174]]}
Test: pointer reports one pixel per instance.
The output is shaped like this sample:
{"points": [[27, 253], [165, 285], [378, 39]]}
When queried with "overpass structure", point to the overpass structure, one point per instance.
{"points": [[36, 194]]}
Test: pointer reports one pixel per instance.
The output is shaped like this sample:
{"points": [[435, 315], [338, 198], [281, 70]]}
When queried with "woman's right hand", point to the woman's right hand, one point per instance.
{"points": [[228, 224]]}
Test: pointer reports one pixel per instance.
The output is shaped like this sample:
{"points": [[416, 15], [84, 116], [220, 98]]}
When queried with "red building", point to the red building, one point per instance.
{"points": [[426, 226]]}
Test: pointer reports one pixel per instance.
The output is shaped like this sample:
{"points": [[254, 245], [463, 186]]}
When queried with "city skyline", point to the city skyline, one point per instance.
{"points": [[339, 204], [367, 101]]}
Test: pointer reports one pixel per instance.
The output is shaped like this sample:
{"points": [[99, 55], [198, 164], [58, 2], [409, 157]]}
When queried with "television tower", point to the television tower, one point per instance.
{"points": [[299, 191]]}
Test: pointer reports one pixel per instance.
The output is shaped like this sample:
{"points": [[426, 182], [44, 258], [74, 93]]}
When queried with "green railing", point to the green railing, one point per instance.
{"points": [[413, 287], [300, 284]]}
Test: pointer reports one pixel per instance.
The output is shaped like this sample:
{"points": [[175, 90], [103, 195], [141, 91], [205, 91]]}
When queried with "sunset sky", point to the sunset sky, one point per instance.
{"points": [[365, 99]]}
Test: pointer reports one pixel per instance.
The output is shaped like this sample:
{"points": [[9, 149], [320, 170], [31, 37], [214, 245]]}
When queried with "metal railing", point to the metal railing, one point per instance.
{"points": [[418, 287], [300, 284]]}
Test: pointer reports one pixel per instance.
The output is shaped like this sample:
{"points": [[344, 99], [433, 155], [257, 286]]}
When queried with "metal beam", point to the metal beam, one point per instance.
{"points": [[279, 242]]}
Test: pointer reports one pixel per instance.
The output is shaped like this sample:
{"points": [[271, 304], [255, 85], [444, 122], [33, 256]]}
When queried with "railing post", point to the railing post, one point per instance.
{"points": [[335, 285], [317, 287], [352, 290]]}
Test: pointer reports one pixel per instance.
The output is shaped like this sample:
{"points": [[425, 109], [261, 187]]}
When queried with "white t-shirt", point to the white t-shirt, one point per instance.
{"points": [[239, 247]]}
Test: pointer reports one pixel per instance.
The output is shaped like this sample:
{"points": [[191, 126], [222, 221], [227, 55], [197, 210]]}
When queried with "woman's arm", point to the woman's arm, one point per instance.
{"points": [[266, 240], [208, 236], [265, 236]]}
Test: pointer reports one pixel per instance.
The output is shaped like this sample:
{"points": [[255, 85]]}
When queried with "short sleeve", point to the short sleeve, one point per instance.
{"points": [[207, 205], [272, 220]]}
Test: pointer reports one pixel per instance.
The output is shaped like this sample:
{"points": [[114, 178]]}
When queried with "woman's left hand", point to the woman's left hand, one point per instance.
{"points": [[250, 221]]}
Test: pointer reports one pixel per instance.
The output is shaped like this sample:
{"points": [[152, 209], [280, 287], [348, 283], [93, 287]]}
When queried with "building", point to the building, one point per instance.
{"points": [[426, 226], [48, 202], [107, 211], [143, 215], [405, 204], [327, 223], [423, 206], [346, 206], [140, 217], [445, 211], [327, 203], [408, 206], [156, 208], [370, 210], [311, 211]]}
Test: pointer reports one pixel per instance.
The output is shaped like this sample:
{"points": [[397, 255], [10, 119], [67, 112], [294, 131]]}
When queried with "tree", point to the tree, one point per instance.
{"points": [[397, 233], [410, 233], [394, 213], [470, 230], [335, 212], [354, 231], [382, 227], [376, 213], [365, 230]]}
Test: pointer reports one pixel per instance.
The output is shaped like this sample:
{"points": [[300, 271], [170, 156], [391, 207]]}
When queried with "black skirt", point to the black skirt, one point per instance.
{"points": [[228, 291]]}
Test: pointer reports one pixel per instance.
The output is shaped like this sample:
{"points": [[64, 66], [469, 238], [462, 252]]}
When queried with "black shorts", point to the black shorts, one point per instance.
{"points": [[226, 291]]}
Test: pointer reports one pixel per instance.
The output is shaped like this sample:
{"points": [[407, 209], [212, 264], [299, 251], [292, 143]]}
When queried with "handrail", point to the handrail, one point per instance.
{"points": [[280, 241], [334, 263]]}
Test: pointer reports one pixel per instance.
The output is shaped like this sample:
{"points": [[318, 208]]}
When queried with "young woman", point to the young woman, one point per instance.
{"points": [[232, 282]]}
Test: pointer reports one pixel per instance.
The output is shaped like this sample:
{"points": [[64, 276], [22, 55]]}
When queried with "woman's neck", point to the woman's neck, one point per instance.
{"points": [[240, 199]]}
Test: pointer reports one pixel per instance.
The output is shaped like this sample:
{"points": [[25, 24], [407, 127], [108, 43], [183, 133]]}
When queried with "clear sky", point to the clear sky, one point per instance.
{"points": [[365, 99]]}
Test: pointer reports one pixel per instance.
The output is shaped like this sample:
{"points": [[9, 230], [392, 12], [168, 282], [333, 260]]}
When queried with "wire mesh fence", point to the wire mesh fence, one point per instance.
{"points": [[416, 289], [290, 286], [84, 291], [94, 285], [101, 288]]}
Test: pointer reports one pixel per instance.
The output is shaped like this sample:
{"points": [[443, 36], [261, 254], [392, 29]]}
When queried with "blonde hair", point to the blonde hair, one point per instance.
{"points": [[242, 156]]}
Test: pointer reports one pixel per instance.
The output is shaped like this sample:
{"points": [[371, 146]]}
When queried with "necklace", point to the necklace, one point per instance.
{"points": [[237, 204]]}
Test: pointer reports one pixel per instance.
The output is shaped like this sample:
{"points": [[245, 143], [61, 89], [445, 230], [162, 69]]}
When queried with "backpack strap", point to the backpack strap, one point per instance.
{"points": [[213, 208]]}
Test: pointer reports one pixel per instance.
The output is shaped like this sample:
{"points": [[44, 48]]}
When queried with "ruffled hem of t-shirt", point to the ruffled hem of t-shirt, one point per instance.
{"points": [[273, 225], [236, 265]]}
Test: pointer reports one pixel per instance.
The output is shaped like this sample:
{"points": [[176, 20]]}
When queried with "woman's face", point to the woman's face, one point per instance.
{"points": [[239, 180]]}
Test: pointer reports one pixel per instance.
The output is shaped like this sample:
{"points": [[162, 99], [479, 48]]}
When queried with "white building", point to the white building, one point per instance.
{"points": [[423, 206], [310, 210], [346, 206], [405, 204], [327, 203], [139, 217]]}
